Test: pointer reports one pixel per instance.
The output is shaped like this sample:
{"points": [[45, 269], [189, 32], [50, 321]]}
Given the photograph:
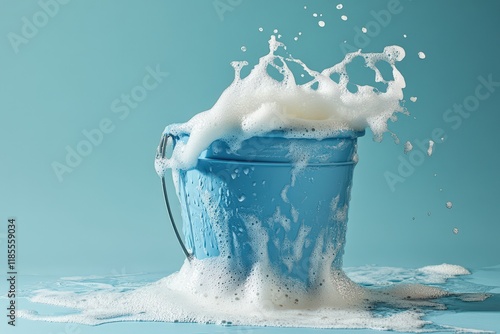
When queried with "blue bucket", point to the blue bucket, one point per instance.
{"points": [[273, 200]]}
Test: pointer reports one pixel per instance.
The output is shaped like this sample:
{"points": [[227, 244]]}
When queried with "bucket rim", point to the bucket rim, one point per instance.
{"points": [[341, 134], [274, 163]]}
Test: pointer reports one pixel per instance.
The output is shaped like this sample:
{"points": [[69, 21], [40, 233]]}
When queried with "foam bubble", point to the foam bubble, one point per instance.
{"points": [[321, 23], [260, 103], [340, 6], [413, 99], [344, 17], [421, 55]]}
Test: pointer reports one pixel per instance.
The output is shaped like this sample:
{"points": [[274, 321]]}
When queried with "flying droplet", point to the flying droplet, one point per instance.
{"points": [[315, 14], [404, 35], [429, 150], [275, 31], [408, 147], [295, 38]]}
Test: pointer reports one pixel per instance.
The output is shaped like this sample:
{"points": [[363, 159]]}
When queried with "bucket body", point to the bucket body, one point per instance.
{"points": [[278, 201]]}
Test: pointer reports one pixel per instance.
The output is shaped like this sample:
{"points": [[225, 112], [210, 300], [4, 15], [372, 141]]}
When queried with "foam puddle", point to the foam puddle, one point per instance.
{"points": [[262, 299]]}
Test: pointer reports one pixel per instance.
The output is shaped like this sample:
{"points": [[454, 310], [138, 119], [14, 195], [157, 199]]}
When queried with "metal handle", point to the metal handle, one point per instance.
{"points": [[161, 154]]}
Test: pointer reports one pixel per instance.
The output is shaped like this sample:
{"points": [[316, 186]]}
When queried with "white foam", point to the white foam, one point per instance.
{"points": [[408, 147], [208, 292], [431, 146], [447, 270], [257, 104]]}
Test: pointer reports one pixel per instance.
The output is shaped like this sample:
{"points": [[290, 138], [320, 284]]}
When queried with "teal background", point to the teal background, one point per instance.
{"points": [[108, 215]]}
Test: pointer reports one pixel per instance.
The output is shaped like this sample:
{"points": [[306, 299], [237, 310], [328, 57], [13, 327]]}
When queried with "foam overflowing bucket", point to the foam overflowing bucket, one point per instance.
{"points": [[273, 201]]}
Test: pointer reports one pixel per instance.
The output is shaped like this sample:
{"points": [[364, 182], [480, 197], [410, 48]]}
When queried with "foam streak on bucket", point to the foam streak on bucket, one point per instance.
{"points": [[277, 202]]}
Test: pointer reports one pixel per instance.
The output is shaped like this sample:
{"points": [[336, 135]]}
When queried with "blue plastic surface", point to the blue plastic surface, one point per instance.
{"points": [[259, 184]]}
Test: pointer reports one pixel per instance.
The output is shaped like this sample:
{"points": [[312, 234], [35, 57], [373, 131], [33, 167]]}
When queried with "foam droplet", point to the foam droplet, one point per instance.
{"points": [[408, 147], [431, 146], [300, 33], [295, 38], [413, 99], [340, 6], [344, 17], [449, 205], [421, 55], [321, 24]]}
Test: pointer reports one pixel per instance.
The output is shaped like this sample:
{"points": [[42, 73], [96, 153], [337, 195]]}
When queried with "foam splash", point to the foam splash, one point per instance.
{"points": [[259, 103], [204, 292]]}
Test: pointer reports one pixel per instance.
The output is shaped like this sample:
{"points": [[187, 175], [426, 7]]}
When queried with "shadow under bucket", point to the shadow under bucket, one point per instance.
{"points": [[281, 202]]}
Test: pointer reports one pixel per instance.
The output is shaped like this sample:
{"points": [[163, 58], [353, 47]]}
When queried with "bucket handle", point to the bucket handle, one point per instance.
{"points": [[160, 154]]}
